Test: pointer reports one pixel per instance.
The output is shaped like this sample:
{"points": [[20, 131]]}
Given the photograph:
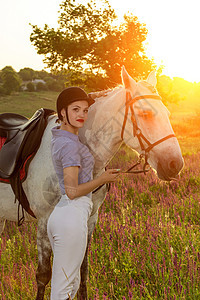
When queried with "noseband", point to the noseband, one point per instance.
{"points": [[138, 133]]}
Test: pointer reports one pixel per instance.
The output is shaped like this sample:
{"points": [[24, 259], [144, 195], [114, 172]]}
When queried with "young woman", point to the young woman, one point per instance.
{"points": [[73, 163]]}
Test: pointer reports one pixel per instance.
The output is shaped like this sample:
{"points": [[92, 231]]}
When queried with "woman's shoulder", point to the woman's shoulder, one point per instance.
{"points": [[61, 142]]}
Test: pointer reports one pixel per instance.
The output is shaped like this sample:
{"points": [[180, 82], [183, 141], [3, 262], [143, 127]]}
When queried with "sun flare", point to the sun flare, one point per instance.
{"points": [[173, 30]]}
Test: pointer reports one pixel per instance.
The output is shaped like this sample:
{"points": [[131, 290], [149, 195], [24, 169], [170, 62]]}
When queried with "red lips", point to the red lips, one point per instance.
{"points": [[80, 120]]}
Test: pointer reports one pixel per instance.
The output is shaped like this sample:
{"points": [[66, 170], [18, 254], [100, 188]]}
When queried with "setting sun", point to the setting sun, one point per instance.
{"points": [[173, 30]]}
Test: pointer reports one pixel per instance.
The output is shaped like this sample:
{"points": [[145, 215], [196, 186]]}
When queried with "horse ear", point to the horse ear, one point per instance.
{"points": [[152, 78], [127, 80]]}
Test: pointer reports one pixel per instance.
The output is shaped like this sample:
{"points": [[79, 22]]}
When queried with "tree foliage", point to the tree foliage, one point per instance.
{"points": [[90, 45], [27, 74], [10, 79], [174, 90]]}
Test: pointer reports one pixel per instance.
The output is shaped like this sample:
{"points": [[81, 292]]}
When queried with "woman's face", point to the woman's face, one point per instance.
{"points": [[77, 113]]}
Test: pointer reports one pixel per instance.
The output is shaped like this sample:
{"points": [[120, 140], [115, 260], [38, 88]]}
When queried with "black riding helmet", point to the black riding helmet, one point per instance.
{"points": [[69, 95]]}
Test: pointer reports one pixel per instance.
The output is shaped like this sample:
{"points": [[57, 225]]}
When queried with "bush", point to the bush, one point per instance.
{"points": [[41, 87], [30, 86]]}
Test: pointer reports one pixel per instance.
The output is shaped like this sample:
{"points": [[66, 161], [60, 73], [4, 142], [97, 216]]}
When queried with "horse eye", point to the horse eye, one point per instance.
{"points": [[146, 114]]}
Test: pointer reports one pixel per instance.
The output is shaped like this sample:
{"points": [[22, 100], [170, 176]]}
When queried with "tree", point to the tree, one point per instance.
{"points": [[41, 74], [54, 85], [90, 46], [11, 80], [168, 91], [27, 74]]}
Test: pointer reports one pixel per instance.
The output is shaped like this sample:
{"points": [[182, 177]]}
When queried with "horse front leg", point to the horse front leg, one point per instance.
{"points": [[43, 274]]}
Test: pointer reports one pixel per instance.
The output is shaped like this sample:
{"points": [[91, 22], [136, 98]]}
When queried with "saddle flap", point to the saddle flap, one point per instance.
{"points": [[8, 154], [16, 129]]}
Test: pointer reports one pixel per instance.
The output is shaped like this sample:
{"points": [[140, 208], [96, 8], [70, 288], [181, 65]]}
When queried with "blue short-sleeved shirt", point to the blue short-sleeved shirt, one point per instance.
{"points": [[68, 151]]}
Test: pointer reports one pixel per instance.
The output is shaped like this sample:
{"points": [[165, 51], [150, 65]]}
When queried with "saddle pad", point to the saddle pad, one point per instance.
{"points": [[23, 171]]}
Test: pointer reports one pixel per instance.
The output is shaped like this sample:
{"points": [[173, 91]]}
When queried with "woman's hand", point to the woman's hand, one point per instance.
{"points": [[109, 175]]}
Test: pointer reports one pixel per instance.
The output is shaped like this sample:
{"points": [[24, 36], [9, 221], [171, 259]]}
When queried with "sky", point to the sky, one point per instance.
{"points": [[172, 40]]}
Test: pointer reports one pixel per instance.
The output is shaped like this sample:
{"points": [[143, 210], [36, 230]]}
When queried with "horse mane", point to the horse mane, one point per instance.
{"points": [[102, 94]]}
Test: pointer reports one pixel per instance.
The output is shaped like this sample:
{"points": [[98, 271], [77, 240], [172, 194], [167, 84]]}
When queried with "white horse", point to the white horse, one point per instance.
{"points": [[147, 131]]}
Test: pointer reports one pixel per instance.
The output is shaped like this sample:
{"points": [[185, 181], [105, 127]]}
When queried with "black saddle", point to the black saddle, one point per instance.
{"points": [[23, 138], [14, 128]]}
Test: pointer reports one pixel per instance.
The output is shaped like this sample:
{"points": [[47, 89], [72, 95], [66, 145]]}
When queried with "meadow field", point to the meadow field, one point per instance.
{"points": [[146, 244]]}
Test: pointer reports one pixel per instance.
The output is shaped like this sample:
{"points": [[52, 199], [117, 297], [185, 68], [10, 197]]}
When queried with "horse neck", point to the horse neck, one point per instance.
{"points": [[102, 131]]}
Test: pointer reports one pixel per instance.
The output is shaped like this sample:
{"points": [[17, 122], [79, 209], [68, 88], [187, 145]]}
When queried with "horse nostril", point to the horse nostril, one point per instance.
{"points": [[173, 165]]}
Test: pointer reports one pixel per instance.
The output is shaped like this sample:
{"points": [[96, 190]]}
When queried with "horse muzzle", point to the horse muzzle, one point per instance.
{"points": [[169, 169]]}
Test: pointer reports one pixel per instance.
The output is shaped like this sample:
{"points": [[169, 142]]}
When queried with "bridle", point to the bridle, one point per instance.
{"points": [[138, 133]]}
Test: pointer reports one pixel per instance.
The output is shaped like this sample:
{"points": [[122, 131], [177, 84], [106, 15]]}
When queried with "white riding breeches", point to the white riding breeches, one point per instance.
{"points": [[68, 232]]}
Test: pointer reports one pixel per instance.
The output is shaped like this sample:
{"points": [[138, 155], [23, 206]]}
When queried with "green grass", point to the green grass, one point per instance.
{"points": [[26, 103]]}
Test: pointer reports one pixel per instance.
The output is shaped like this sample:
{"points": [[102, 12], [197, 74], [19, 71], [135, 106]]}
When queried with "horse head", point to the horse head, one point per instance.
{"points": [[148, 129]]}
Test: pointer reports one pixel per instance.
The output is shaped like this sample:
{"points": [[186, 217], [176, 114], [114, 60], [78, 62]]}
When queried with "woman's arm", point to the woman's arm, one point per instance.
{"points": [[74, 190]]}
